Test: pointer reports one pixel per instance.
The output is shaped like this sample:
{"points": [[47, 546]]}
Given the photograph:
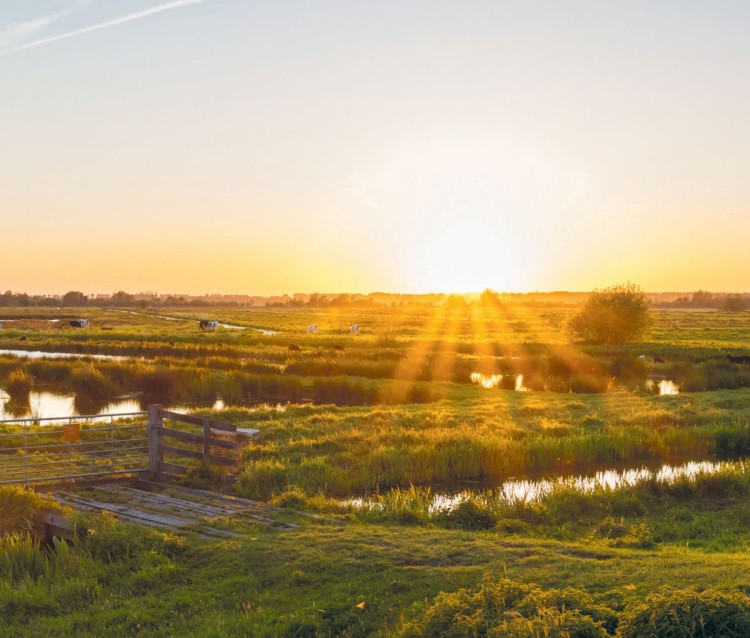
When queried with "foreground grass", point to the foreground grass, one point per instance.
{"points": [[314, 580]]}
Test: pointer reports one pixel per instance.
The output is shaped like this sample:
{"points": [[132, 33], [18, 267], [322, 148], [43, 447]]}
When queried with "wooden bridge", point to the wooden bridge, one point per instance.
{"points": [[129, 469]]}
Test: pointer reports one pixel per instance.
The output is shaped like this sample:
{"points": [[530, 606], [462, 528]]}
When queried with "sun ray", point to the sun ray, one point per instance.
{"points": [[410, 369]]}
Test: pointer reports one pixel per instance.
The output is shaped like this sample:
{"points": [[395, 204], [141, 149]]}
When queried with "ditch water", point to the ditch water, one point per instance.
{"points": [[658, 385], [38, 354], [532, 491], [44, 404]]}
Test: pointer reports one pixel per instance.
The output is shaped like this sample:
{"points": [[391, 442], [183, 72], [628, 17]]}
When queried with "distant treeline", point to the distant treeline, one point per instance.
{"points": [[74, 298], [706, 299]]}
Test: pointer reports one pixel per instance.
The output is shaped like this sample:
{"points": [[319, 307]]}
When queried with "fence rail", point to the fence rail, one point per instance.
{"points": [[57, 449]]}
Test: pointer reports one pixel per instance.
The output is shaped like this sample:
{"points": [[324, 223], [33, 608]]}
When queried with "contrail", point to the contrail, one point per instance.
{"points": [[22, 30], [105, 25]]}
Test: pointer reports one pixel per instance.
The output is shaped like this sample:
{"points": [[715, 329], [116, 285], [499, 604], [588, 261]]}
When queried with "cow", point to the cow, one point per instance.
{"points": [[742, 358], [659, 360], [338, 348], [312, 329], [293, 347], [209, 326], [354, 329], [79, 323]]}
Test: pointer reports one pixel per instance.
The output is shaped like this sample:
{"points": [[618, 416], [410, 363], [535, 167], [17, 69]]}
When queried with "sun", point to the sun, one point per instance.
{"points": [[465, 256]]}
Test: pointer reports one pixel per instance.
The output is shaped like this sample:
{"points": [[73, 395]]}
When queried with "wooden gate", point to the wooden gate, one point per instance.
{"points": [[199, 439]]}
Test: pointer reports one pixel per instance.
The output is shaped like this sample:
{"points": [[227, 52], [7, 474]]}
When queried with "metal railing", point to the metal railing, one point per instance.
{"points": [[56, 449]]}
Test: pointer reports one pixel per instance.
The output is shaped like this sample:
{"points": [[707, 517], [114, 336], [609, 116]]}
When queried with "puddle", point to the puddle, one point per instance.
{"points": [[38, 354], [531, 491]]}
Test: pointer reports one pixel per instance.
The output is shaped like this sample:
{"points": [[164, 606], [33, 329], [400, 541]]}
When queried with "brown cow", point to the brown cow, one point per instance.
{"points": [[294, 347]]}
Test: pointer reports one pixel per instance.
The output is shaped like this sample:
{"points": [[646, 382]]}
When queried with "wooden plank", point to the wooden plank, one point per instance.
{"points": [[206, 438], [221, 460], [57, 520], [155, 426], [171, 468], [227, 428], [249, 433], [227, 445], [189, 437], [185, 418], [166, 520], [180, 451], [163, 501], [197, 420]]}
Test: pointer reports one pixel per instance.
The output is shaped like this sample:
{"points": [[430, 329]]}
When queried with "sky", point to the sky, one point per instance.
{"points": [[259, 147]]}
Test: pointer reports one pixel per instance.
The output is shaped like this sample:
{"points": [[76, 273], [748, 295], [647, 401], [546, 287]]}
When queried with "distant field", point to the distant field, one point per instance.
{"points": [[393, 414]]}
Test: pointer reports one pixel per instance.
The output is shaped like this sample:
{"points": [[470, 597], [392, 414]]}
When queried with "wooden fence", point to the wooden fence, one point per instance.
{"points": [[57, 450], [212, 442]]}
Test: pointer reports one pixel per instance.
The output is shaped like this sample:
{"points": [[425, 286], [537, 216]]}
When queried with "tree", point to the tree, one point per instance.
{"points": [[122, 298], [74, 298], [490, 298], [735, 303], [613, 315]]}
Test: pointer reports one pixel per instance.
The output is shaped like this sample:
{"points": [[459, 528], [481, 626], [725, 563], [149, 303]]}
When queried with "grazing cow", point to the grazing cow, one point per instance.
{"points": [[659, 360], [312, 329], [293, 347], [354, 329], [209, 326], [23, 337], [79, 323], [742, 358], [338, 348]]}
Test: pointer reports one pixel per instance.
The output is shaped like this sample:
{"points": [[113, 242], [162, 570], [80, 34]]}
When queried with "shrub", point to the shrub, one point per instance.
{"points": [[614, 315], [470, 514], [686, 613], [90, 382], [511, 609], [18, 384]]}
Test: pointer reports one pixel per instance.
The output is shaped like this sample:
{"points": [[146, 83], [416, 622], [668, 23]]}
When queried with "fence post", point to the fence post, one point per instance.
{"points": [[155, 424], [206, 436]]}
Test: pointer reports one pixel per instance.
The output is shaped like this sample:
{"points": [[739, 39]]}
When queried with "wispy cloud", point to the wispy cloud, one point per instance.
{"points": [[101, 25], [17, 32]]}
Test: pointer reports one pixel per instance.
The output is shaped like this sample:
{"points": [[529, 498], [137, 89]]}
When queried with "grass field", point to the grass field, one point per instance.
{"points": [[393, 413]]}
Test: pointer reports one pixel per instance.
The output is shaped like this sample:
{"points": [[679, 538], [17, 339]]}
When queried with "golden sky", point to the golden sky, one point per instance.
{"points": [[228, 146]]}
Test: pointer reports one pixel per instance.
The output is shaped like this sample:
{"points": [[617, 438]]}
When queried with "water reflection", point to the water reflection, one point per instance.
{"points": [[46, 404], [529, 491], [38, 354], [486, 380], [663, 387]]}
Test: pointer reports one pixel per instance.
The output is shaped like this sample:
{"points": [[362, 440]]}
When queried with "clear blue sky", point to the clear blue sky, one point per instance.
{"points": [[241, 146]]}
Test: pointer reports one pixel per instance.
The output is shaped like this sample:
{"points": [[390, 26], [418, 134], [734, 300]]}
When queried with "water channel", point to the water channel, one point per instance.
{"points": [[532, 491]]}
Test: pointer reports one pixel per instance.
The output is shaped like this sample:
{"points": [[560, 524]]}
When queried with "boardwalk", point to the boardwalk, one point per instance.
{"points": [[175, 508]]}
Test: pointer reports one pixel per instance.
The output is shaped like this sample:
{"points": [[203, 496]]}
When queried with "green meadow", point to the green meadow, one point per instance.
{"points": [[368, 430]]}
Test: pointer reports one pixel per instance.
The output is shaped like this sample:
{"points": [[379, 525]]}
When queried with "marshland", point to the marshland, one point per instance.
{"points": [[439, 490]]}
